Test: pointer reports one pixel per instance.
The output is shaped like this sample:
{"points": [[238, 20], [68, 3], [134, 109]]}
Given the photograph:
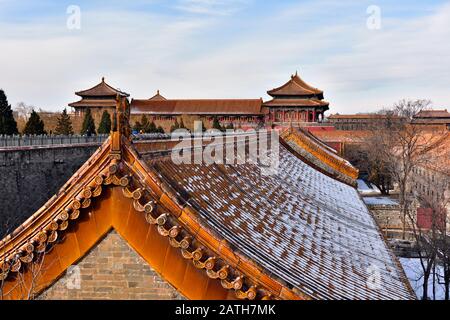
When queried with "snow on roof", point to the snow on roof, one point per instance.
{"points": [[367, 188], [299, 225], [380, 201]]}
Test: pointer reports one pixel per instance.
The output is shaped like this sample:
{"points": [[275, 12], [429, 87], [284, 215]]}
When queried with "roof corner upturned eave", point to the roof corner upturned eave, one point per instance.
{"points": [[311, 150]]}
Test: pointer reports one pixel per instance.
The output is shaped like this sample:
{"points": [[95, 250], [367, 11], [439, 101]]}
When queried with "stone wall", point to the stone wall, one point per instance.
{"points": [[111, 270], [32, 175], [389, 220]]}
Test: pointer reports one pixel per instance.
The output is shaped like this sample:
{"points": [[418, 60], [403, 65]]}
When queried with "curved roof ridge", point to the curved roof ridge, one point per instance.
{"points": [[302, 83], [101, 89], [158, 97], [324, 158], [295, 86]]}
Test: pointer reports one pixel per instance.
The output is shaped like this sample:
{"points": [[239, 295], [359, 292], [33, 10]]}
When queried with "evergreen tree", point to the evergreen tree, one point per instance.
{"points": [[7, 123], [34, 125], [88, 127], [216, 124], [145, 124], [105, 123], [152, 127], [64, 125]]}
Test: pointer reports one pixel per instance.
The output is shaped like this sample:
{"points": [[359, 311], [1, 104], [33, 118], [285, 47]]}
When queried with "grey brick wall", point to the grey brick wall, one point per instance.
{"points": [[111, 270], [31, 176]]}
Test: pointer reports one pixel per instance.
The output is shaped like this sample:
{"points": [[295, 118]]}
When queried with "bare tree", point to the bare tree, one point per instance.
{"points": [[425, 244], [28, 276], [440, 203], [430, 192], [27, 279], [379, 167], [404, 147], [23, 110]]}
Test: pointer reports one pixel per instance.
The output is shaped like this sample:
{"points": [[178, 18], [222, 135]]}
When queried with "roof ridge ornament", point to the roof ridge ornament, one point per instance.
{"points": [[121, 126]]}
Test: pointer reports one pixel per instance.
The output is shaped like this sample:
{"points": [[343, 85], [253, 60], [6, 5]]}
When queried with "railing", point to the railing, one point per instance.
{"points": [[46, 140]]}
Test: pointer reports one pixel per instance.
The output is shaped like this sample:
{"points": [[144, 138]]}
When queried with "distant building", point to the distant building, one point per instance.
{"points": [[429, 119], [98, 98], [430, 181], [164, 112], [433, 119], [294, 103], [360, 121]]}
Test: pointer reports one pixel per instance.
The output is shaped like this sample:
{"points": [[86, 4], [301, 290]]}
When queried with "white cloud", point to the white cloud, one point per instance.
{"points": [[216, 55], [210, 7], [406, 59]]}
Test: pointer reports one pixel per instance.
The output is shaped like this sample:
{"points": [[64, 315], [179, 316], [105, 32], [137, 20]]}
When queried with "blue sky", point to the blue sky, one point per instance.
{"points": [[226, 49]]}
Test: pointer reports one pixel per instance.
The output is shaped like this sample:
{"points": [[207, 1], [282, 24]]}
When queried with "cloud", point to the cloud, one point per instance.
{"points": [[210, 7], [405, 59], [230, 49], [45, 63]]}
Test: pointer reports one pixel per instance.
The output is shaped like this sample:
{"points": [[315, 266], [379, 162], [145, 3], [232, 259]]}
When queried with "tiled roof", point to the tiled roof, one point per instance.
{"points": [[157, 97], [431, 121], [295, 87], [198, 106], [342, 135], [94, 103], [320, 156], [101, 89], [433, 114], [278, 102], [299, 225]]}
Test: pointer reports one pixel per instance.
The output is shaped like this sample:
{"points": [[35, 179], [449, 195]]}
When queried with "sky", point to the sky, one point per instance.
{"points": [[364, 55]]}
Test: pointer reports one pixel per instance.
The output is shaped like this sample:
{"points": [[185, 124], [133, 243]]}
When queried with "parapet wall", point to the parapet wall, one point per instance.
{"points": [[32, 175]]}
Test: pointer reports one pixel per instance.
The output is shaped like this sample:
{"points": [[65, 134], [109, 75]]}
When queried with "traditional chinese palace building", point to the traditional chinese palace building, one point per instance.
{"points": [[294, 103], [131, 223], [98, 98]]}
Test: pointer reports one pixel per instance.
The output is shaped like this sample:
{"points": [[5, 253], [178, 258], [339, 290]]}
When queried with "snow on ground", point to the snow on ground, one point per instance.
{"points": [[365, 188], [414, 272], [384, 201]]}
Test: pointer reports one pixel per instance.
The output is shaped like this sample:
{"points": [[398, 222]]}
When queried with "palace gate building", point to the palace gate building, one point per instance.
{"points": [[294, 103]]}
